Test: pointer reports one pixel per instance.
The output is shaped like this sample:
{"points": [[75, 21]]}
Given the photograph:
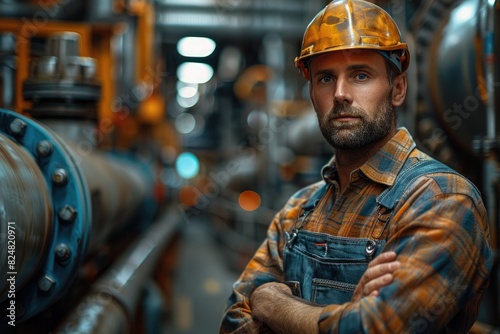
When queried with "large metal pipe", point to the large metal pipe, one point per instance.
{"points": [[110, 305], [64, 203], [25, 214], [453, 52], [64, 196]]}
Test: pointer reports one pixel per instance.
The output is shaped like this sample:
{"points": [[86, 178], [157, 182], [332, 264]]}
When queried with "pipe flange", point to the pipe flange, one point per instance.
{"points": [[71, 215]]}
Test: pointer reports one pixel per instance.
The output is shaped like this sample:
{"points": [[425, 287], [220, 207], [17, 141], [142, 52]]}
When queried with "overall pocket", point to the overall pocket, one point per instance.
{"points": [[329, 291], [328, 268]]}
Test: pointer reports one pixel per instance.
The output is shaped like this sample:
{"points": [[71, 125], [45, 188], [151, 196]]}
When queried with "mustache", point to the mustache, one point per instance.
{"points": [[343, 109]]}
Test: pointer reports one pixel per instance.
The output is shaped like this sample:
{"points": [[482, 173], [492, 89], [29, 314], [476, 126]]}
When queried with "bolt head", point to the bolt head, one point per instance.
{"points": [[62, 252], [67, 214], [46, 283], [44, 148], [60, 177], [18, 127]]}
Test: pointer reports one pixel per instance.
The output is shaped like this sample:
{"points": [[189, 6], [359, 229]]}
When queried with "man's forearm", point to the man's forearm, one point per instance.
{"points": [[273, 304]]}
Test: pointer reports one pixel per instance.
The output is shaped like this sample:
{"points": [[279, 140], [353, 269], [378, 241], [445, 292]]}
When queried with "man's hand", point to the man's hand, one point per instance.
{"points": [[379, 274]]}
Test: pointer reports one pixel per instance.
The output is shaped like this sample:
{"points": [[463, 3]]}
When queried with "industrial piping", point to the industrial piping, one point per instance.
{"points": [[109, 307], [61, 206]]}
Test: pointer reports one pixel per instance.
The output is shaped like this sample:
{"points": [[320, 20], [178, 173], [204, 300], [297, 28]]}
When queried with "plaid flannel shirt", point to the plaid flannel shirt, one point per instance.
{"points": [[439, 230]]}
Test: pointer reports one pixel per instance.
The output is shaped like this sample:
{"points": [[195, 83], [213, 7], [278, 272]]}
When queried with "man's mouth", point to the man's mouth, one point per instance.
{"points": [[345, 118]]}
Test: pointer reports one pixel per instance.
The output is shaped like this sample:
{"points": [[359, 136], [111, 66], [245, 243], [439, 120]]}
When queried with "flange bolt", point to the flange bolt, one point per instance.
{"points": [[44, 148], [67, 214], [60, 177], [18, 127], [46, 283], [62, 252]]}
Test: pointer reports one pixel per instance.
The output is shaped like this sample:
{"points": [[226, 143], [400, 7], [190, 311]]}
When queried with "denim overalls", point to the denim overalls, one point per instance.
{"points": [[325, 269]]}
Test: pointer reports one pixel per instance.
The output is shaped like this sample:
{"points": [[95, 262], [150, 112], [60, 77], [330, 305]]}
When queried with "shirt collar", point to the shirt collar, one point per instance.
{"points": [[383, 166]]}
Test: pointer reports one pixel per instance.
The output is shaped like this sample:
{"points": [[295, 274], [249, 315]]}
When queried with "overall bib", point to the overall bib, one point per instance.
{"points": [[325, 269]]}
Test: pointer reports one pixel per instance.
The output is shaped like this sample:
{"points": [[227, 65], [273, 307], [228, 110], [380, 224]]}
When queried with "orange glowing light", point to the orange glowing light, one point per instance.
{"points": [[249, 200]]}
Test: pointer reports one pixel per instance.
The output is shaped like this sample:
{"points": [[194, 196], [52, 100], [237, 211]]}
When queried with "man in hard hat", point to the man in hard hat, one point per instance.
{"points": [[390, 241]]}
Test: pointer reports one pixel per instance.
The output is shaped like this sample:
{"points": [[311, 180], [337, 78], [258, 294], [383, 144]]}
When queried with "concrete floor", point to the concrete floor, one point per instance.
{"points": [[202, 282]]}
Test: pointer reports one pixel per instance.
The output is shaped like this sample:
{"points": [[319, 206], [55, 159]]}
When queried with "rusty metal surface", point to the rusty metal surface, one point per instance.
{"points": [[25, 203]]}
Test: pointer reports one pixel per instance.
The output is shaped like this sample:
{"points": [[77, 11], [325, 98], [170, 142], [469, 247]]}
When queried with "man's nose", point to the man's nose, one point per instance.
{"points": [[342, 92]]}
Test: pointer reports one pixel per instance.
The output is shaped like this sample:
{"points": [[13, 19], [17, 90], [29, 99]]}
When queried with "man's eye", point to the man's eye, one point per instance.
{"points": [[326, 79], [361, 76]]}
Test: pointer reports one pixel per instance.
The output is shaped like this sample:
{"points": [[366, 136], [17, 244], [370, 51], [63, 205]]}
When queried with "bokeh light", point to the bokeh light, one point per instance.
{"points": [[249, 200], [187, 165], [196, 46]]}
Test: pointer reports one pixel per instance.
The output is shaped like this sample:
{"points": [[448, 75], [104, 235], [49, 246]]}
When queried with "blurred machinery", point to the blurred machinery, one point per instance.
{"points": [[94, 114], [79, 223]]}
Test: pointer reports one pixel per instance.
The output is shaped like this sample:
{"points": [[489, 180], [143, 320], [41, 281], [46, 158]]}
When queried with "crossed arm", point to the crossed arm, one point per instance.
{"points": [[443, 271], [274, 304]]}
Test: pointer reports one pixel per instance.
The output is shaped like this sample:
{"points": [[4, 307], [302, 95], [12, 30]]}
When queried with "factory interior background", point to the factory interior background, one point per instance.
{"points": [[145, 145]]}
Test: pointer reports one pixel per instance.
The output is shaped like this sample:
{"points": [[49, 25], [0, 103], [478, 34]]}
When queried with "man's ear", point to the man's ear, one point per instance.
{"points": [[399, 90]]}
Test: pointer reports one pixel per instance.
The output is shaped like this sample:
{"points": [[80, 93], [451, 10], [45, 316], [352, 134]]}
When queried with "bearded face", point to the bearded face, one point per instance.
{"points": [[349, 127]]}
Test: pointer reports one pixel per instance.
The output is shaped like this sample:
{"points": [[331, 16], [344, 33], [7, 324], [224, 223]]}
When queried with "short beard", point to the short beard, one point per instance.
{"points": [[342, 137]]}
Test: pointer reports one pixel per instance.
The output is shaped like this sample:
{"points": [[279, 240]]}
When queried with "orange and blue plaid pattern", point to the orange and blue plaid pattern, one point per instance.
{"points": [[439, 230]]}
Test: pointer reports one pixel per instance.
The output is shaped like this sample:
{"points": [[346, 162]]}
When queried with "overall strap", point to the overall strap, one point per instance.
{"points": [[387, 200], [307, 209], [409, 173]]}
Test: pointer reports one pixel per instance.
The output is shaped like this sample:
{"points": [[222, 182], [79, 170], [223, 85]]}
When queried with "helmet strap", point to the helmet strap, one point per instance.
{"points": [[393, 56]]}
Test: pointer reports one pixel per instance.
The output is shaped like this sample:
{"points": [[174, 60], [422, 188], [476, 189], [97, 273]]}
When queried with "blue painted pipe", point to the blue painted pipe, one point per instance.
{"points": [[56, 206]]}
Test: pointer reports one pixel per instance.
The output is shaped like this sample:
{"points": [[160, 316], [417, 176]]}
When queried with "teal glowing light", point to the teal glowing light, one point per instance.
{"points": [[187, 165]]}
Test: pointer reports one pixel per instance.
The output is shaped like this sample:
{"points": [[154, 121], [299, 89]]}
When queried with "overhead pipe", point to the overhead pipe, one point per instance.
{"points": [[287, 18], [58, 10]]}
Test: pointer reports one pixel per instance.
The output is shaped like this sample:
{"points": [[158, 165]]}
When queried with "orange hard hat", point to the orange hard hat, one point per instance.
{"points": [[353, 24]]}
